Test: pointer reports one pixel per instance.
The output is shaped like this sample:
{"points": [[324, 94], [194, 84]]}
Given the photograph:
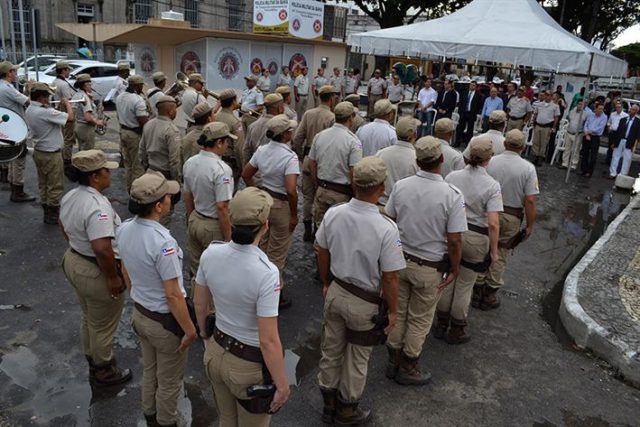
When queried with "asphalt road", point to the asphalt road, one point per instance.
{"points": [[519, 368]]}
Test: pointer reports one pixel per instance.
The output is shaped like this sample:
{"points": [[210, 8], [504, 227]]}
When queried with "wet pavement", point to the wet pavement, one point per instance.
{"points": [[518, 369]]}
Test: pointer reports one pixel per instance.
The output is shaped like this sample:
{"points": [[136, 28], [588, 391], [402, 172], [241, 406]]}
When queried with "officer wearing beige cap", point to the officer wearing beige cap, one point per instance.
{"points": [[483, 202], [519, 110], [376, 90], [160, 143], [362, 251], [313, 121], [152, 266], [159, 81], [16, 101], [193, 95], [245, 349], [285, 91], [358, 121], [233, 157], [497, 120], [208, 187], [379, 133], [251, 103], [333, 154], [400, 158], [318, 82], [301, 88], [46, 126], [431, 218], [453, 159], [257, 131], [124, 70], [200, 116], [519, 183], [86, 113], [88, 223], [132, 115], [65, 90], [546, 115]]}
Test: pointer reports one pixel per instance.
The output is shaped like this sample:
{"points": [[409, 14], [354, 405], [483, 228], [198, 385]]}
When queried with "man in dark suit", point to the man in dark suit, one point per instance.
{"points": [[470, 106], [628, 134], [447, 100]]}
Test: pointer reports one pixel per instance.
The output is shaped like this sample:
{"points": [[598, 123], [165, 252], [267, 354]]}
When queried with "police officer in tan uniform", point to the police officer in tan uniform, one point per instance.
{"points": [[251, 103], [279, 169], [301, 88], [497, 120], [318, 81], [159, 81], [46, 125], [257, 132], [519, 183], [546, 114], [88, 223], [519, 110], [233, 157], [192, 95], [358, 121], [160, 143], [431, 219], [208, 187], [483, 202], [132, 115], [361, 249], [453, 159], [65, 90], [124, 69], [200, 116], [285, 91], [333, 154], [313, 121], [376, 90], [86, 115]]}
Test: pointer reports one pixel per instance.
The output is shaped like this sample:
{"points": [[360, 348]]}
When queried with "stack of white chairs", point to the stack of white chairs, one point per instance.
{"points": [[560, 142]]}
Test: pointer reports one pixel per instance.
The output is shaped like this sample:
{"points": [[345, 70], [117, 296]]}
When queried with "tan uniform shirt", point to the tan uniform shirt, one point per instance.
{"points": [[160, 146], [519, 107], [400, 160], [453, 159], [152, 96], [302, 83], [395, 92], [313, 121], [376, 135], [336, 150], [189, 144], [290, 113], [481, 193], [256, 136], [191, 98], [227, 117], [337, 82], [275, 161], [497, 140], [210, 180], [12, 99], [426, 208], [318, 82], [516, 176], [264, 84], [545, 112], [121, 87], [130, 106], [45, 124], [377, 85], [64, 89], [362, 242], [83, 107]]}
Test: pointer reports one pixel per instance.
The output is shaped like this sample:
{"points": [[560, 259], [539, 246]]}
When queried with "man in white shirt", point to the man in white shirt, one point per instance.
{"points": [[427, 98], [612, 129], [379, 133]]}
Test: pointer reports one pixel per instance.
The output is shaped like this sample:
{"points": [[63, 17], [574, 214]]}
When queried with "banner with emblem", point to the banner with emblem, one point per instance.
{"points": [[271, 16], [306, 19], [146, 61], [297, 56], [228, 63]]}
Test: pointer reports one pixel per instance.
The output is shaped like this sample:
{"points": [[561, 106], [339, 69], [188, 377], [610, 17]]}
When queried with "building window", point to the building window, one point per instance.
{"points": [[86, 13], [191, 12], [140, 11], [235, 15], [26, 16]]}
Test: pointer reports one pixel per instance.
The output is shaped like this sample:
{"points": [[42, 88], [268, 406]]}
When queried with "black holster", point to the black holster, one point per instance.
{"points": [[170, 323], [444, 265], [374, 336], [513, 242], [210, 324], [261, 404], [478, 267]]}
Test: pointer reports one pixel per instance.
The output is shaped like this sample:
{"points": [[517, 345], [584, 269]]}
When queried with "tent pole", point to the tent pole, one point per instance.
{"points": [[573, 153]]}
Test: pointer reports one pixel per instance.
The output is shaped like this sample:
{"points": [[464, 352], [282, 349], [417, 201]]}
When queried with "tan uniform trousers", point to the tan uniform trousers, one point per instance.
{"points": [[308, 191], [50, 169], [277, 241], [129, 145], [541, 137], [86, 136], [163, 368], [509, 227], [417, 299], [69, 133], [343, 365], [572, 146], [372, 101], [301, 106], [246, 120], [230, 376], [456, 297], [100, 313], [515, 124], [202, 231], [16, 170], [324, 200]]}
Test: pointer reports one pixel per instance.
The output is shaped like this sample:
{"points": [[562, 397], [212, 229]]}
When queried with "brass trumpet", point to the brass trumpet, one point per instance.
{"points": [[181, 83], [101, 130], [250, 112]]}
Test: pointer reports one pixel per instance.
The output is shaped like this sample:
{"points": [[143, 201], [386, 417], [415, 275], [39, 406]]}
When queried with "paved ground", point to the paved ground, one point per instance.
{"points": [[519, 368]]}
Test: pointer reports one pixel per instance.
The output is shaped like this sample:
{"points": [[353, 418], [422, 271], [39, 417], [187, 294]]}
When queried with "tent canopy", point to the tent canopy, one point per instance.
{"points": [[519, 32]]}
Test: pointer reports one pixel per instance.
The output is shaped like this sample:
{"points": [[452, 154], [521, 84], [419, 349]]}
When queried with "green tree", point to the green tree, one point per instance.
{"points": [[393, 13], [630, 53]]}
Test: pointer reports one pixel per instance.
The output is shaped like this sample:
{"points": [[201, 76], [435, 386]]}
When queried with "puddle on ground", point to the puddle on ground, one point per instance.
{"points": [[20, 307], [300, 361]]}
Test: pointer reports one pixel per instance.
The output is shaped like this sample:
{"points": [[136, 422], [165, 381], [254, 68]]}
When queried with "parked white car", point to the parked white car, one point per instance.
{"points": [[44, 63], [103, 75]]}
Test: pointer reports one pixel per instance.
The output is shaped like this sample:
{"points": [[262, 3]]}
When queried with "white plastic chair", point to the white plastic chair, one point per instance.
{"points": [[560, 144], [477, 126], [528, 138]]}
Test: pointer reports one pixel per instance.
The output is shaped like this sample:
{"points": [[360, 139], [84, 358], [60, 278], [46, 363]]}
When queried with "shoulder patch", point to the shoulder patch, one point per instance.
{"points": [[168, 251], [103, 216]]}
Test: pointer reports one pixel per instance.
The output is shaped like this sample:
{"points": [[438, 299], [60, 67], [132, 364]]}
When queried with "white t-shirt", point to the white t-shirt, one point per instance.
{"points": [[275, 161]]}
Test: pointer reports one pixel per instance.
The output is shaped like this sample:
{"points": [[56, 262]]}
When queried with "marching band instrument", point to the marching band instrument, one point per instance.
{"points": [[71, 101], [179, 86], [250, 112], [13, 135], [101, 130]]}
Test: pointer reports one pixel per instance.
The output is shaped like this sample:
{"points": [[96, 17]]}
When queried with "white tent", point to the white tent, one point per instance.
{"points": [[519, 32]]}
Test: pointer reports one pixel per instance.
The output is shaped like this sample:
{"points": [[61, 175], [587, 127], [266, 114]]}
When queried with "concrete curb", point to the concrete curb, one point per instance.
{"points": [[586, 332]]}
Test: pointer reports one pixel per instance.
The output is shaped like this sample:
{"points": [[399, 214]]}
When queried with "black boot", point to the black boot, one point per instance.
{"points": [[457, 334], [151, 420], [329, 409], [109, 374], [92, 367], [51, 216], [489, 299], [349, 413], [442, 324], [393, 363], [308, 232], [19, 196], [476, 298], [409, 372]]}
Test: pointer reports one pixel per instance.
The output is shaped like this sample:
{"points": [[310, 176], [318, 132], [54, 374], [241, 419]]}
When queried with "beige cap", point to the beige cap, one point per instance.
{"points": [[428, 149], [83, 78], [383, 107], [369, 172], [7, 66], [377, 70], [158, 76], [124, 66], [135, 80], [165, 98], [61, 65], [344, 109], [327, 89], [406, 126], [200, 110], [91, 160], [152, 186], [444, 125], [196, 78], [280, 123], [40, 86], [217, 130], [272, 98], [227, 94], [514, 138], [283, 90], [251, 77], [353, 98], [250, 206], [481, 148], [497, 116]]}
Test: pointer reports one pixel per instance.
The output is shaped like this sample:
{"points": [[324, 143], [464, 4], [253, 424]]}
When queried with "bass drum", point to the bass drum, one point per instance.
{"points": [[13, 135]]}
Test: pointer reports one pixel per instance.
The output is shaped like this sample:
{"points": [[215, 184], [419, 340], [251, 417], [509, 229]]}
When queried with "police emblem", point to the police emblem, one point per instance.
{"points": [[296, 24], [297, 63], [317, 26], [259, 17], [282, 15], [228, 65], [256, 66]]}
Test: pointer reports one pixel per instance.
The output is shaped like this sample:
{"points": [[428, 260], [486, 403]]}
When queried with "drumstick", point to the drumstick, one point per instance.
{"points": [[4, 118]]}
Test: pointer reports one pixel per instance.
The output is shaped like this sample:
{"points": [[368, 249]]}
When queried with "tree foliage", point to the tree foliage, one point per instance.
{"points": [[392, 13], [630, 53]]}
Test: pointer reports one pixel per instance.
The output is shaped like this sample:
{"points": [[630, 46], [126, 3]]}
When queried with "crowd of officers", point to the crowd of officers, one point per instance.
{"points": [[405, 229]]}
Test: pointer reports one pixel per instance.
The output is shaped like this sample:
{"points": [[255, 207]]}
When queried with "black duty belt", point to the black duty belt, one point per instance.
{"points": [[205, 216], [86, 257], [137, 130], [517, 212], [478, 229], [276, 195], [359, 292], [338, 188], [153, 315], [518, 118], [546, 125], [237, 348], [423, 262]]}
